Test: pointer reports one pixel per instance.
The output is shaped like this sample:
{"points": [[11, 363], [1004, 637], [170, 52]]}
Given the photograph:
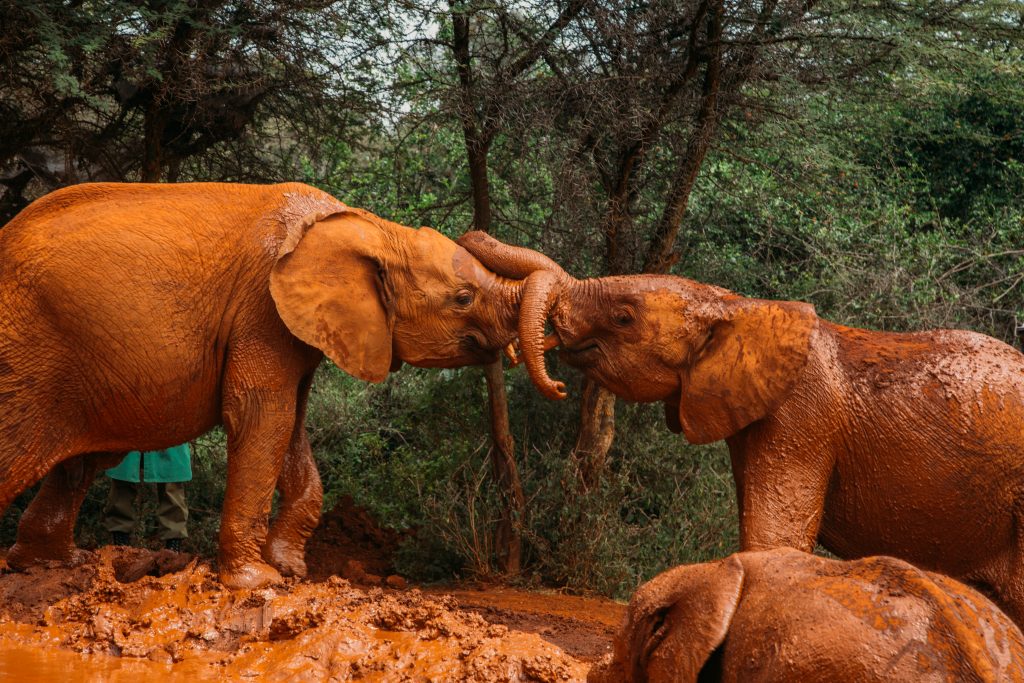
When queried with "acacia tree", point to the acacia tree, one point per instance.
{"points": [[135, 91], [637, 95]]}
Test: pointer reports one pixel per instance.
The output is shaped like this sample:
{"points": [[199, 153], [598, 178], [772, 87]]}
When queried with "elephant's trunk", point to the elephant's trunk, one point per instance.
{"points": [[543, 281], [503, 259], [507, 295], [540, 292]]}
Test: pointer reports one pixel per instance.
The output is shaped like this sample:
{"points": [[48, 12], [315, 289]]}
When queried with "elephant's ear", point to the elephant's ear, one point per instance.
{"points": [[678, 619], [331, 291], [746, 368]]}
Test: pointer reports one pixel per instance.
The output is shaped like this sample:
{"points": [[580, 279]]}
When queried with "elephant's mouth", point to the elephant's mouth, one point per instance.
{"points": [[581, 354], [477, 346]]}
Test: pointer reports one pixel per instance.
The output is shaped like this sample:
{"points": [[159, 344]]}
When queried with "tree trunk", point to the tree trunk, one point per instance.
{"points": [[152, 153], [660, 255], [508, 535], [597, 431], [597, 405], [597, 409]]}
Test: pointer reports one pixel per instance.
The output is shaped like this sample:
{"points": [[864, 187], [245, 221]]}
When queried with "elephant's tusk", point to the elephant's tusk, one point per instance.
{"points": [[515, 356], [512, 353]]}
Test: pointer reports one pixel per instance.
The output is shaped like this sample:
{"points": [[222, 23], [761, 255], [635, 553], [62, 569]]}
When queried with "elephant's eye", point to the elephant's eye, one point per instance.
{"points": [[622, 317], [464, 297]]}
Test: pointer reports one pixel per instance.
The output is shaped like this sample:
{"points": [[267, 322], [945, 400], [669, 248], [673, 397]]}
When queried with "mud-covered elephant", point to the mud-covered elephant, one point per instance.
{"points": [[785, 615], [872, 443], [140, 316]]}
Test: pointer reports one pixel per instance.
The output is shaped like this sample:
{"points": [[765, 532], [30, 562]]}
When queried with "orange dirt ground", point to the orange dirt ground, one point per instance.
{"points": [[130, 613]]}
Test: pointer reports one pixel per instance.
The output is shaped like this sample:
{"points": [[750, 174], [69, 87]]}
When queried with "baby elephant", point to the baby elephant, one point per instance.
{"points": [[869, 443], [785, 615]]}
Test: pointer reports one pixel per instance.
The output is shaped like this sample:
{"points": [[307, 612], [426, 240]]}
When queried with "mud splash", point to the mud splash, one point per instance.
{"points": [[88, 625]]}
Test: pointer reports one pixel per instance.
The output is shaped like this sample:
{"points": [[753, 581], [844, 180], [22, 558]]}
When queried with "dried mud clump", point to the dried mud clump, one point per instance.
{"points": [[187, 622]]}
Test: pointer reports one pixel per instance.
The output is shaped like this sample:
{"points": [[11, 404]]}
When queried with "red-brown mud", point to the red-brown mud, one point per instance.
{"points": [[129, 613], [186, 623], [582, 627], [349, 543]]}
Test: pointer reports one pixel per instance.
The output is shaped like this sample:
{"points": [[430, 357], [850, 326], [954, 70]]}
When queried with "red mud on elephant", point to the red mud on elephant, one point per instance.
{"points": [[139, 316], [909, 445]]}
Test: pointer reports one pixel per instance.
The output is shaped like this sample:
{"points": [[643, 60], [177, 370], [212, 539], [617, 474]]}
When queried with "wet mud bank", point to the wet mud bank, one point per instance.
{"points": [[89, 623]]}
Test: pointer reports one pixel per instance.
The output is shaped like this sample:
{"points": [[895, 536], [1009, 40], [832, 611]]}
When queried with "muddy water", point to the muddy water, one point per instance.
{"points": [[84, 624], [28, 664]]}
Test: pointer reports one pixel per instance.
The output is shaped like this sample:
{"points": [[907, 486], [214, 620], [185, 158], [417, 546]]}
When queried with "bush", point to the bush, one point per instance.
{"points": [[414, 450]]}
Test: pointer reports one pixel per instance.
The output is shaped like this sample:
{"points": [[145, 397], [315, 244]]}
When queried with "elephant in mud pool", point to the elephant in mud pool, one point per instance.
{"points": [[136, 317], [785, 615], [871, 443]]}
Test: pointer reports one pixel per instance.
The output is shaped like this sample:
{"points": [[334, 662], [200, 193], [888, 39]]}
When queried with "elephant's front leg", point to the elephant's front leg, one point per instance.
{"points": [[780, 491], [301, 498], [259, 422], [46, 530]]}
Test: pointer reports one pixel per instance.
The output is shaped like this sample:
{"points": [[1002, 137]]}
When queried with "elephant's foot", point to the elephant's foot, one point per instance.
{"points": [[25, 555], [249, 575], [288, 557]]}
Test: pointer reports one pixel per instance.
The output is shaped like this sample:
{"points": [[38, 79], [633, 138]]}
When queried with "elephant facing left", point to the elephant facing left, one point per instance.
{"points": [[786, 615], [137, 316]]}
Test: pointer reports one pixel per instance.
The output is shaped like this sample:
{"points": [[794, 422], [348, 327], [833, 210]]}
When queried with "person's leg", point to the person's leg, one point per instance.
{"points": [[172, 514], [120, 511]]}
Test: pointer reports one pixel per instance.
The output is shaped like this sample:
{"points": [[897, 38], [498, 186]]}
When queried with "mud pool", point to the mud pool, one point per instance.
{"points": [[130, 614]]}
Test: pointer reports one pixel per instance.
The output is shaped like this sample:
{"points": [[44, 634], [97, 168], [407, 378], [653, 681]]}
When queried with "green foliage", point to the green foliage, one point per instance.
{"points": [[415, 451], [856, 208], [889, 197]]}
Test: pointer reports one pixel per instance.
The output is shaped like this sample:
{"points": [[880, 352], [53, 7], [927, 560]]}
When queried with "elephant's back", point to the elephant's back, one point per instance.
{"points": [[102, 212], [951, 356], [838, 619], [936, 385], [200, 230], [106, 260]]}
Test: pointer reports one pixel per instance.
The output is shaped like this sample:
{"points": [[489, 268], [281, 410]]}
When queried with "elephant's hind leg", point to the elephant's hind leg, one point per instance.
{"points": [[300, 501], [46, 530]]}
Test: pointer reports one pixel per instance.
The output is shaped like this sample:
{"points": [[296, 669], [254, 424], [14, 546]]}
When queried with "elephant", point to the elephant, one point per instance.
{"points": [[785, 615], [870, 443], [138, 316]]}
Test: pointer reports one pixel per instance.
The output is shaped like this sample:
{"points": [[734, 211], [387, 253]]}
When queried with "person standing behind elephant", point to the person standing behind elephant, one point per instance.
{"points": [[168, 469]]}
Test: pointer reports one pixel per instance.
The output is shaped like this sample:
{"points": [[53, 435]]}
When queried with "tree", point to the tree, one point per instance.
{"points": [[120, 90]]}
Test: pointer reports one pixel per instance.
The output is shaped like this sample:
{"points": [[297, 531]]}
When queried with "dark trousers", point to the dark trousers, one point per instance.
{"points": [[121, 510]]}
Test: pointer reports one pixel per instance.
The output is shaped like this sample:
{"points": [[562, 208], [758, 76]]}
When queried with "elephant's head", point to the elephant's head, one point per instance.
{"points": [[719, 361], [372, 294], [675, 623]]}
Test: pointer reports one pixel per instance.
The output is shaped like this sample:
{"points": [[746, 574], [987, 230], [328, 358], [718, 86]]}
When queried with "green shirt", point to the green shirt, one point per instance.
{"points": [[172, 464]]}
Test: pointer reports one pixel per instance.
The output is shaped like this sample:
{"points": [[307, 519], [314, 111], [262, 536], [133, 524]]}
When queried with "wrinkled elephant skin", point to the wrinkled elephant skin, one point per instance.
{"points": [[140, 316], [784, 615], [871, 443]]}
